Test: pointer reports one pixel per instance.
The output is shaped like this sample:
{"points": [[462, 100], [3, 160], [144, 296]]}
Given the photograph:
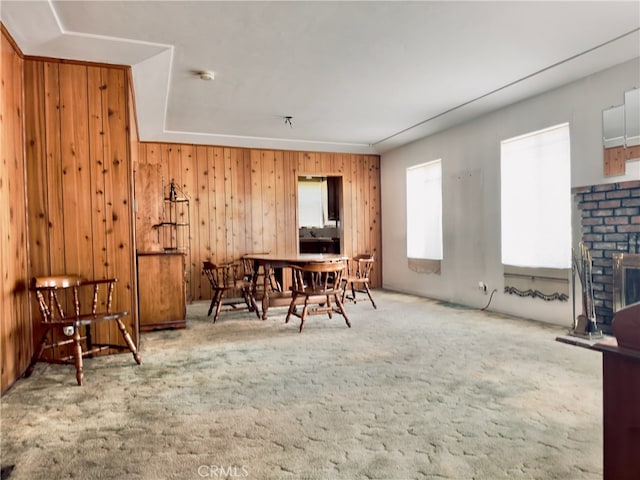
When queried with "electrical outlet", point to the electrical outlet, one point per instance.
{"points": [[482, 287], [68, 331]]}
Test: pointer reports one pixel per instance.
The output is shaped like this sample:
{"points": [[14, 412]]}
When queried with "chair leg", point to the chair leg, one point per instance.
{"points": [[304, 313], [129, 342], [344, 290], [353, 291], [37, 354], [218, 298], [342, 311], [255, 306], [366, 287], [213, 302], [329, 307], [248, 299], [77, 352], [292, 308]]}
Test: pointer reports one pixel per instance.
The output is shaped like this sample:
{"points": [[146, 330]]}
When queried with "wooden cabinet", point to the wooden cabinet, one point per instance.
{"points": [[319, 245], [161, 285], [621, 397]]}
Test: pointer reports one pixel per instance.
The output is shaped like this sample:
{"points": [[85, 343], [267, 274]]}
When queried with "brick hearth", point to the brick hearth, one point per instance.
{"points": [[610, 223]]}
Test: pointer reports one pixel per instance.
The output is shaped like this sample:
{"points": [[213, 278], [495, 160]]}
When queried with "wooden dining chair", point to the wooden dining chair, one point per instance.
{"points": [[317, 284], [69, 306], [230, 288], [356, 279]]}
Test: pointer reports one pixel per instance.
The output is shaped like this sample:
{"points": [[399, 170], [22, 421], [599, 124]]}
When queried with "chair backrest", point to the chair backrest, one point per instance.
{"points": [[321, 277], [65, 297], [361, 266], [223, 276], [250, 270], [214, 274]]}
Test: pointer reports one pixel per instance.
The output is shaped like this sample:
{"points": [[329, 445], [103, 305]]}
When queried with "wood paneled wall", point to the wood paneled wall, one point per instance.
{"points": [[245, 200], [15, 324], [79, 177]]}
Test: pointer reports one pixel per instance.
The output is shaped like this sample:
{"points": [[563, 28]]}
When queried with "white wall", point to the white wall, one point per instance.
{"points": [[470, 156]]}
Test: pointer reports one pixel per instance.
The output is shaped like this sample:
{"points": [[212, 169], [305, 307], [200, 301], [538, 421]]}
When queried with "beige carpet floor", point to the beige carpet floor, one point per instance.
{"points": [[415, 389]]}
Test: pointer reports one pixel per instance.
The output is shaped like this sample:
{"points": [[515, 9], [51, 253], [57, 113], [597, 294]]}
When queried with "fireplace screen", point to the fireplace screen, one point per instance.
{"points": [[626, 279]]}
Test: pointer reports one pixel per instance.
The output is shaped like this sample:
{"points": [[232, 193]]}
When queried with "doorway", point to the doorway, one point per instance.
{"points": [[320, 214]]}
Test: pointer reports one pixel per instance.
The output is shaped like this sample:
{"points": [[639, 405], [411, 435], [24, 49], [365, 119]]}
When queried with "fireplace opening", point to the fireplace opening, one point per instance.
{"points": [[626, 279]]}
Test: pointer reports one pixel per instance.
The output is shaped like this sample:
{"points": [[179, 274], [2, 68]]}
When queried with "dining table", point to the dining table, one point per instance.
{"points": [[265, 266]]}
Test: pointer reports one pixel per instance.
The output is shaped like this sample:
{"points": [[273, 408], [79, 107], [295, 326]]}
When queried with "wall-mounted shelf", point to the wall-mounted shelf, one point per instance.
{"points": [[175, 228]]}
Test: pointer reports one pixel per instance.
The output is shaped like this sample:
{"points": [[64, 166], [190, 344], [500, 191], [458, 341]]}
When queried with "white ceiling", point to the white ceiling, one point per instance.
{"points": [[362, 77]]}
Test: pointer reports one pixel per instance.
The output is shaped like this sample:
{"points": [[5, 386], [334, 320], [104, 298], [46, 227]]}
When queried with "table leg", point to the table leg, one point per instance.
{"points": [[266, 287]]}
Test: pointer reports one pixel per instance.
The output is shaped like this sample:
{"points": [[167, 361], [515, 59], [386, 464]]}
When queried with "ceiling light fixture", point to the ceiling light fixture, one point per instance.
{"points": [[206, 75]]}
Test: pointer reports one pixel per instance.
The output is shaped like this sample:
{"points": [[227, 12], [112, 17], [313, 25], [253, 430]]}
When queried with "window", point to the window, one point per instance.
{"points": [[424, 211], [536, 199]]}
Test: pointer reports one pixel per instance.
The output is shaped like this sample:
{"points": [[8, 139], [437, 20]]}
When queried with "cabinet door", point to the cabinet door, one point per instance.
{"points": [[161, 291]]}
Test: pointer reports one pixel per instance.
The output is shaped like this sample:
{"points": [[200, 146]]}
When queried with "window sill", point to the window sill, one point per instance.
{"points": [[423, 265]]}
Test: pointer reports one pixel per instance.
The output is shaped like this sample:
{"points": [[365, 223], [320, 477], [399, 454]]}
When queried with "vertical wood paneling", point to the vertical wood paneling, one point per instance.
{"points": [[227, 155], [120, 259], [189, 187], [220, 251], [247, 193], [76, 181], [290, 198], [37, 178], [211, 215], [97, 172], [269, 236], [366, 199], [375, 229], [98, 203], [148, 180], [201, 249], [15, 326], [238, 202], [257, 216], [53, 167], [355, 225], [282, 217], [38, 172]]}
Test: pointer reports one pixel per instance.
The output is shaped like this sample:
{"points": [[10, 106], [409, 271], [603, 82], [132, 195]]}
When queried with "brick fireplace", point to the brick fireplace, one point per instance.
{"points": [[610, 223]]}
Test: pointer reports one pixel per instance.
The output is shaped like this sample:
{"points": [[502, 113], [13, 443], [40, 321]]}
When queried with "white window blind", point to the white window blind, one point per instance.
{"points": [[536, 199], [424, 211], [310, 204]]}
